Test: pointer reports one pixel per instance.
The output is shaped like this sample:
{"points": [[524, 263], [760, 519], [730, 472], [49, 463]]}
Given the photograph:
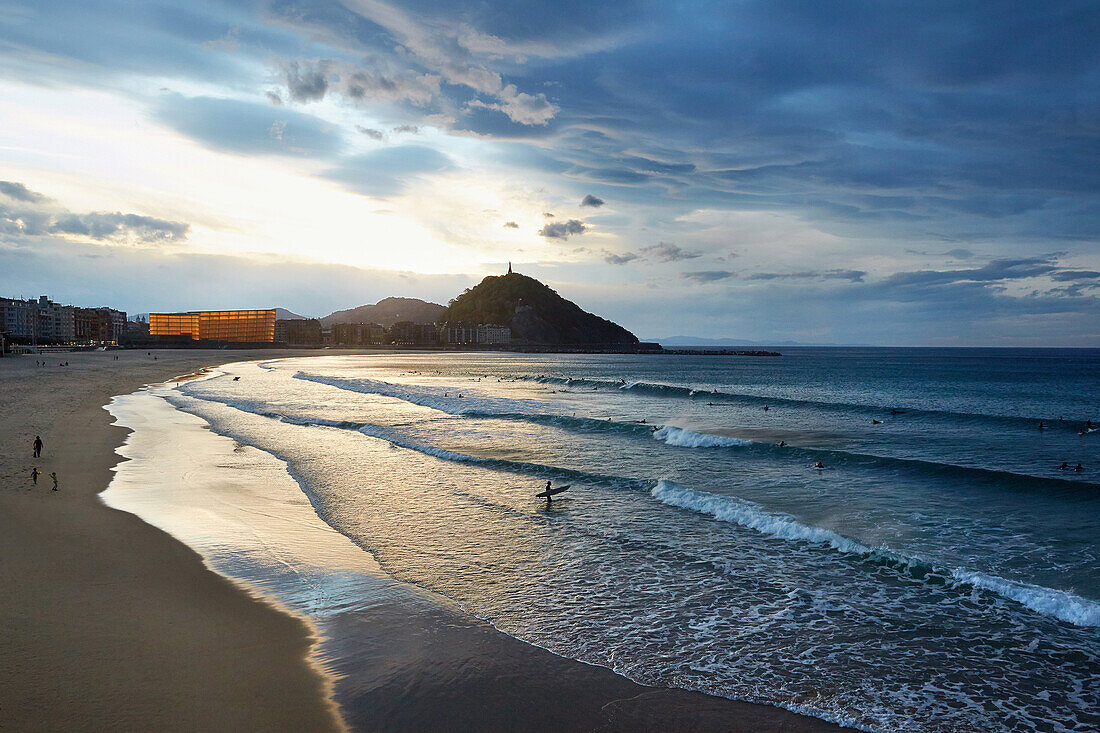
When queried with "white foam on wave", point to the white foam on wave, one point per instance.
{"points": [[1047, 601], [684, 438], [747, 514]]}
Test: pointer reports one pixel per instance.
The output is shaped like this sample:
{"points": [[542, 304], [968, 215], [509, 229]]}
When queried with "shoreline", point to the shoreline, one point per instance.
{"points": [[239, 660], [109, 622]]}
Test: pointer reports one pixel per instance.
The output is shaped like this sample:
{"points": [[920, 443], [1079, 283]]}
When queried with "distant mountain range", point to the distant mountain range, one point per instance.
{"points": [[535, 313], [388, 311], [282, 314]]}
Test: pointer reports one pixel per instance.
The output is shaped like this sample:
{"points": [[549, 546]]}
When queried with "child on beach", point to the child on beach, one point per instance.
{"points": [[53, 475], [34, 475]]}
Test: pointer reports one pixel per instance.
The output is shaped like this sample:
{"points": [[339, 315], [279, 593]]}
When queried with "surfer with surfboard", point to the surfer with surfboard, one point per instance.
{"points": [[548, 493]]}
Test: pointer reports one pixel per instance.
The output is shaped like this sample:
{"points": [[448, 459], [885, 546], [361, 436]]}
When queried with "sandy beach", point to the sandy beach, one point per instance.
{"points": [[108, 622]]}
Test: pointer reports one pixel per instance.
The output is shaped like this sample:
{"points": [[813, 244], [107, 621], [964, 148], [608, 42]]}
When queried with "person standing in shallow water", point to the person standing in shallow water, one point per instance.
{"points": [[37, 446]]}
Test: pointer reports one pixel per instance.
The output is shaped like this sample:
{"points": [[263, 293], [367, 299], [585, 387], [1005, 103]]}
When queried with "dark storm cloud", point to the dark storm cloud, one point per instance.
{"points": [[590, 200], [707, 276], [563, 229], [669, 252]]}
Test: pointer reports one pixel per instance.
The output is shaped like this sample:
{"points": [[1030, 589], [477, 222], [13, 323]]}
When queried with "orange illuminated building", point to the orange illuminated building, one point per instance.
{"points": [[254, 326]]}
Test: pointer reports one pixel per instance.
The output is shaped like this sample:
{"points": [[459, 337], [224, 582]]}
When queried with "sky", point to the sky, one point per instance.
{"points": [[888, 173]]}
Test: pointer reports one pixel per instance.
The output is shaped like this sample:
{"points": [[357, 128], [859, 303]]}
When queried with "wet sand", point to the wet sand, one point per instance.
{"points": [[109, 622]]}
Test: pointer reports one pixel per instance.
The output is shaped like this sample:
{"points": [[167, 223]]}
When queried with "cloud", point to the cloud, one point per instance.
{"points": [[563, 229], [248, 128], [1069, 275], [36, 215], [520, 107], [19, 192], [310, 80], [106, 225], [614, 259], [511, 225], [371, 133], [960, 254], [410, 129], [995, 271], [274, 98], [388, 171], [591, 200], [668, 252], [707, 276], [852, 275], [305, 81]]}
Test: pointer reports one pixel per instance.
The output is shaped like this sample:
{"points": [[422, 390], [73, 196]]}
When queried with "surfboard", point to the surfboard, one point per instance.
{"points": [[551, 492]]}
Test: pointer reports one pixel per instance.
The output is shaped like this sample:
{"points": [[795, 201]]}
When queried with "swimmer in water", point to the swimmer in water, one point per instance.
{"points": [[876, 422], [1078, 467], [782, 444], [819, 464], [1041, 426], [1064, 466]]}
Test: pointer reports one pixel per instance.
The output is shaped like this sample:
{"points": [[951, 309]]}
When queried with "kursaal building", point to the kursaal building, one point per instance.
{"points": [[243, 326]]}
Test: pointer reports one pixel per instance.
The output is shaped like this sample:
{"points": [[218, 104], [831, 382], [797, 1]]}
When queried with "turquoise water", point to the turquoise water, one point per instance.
{"points": [[939, 573]]}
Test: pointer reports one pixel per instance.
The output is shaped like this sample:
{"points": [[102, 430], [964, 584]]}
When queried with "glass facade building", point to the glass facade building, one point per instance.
{"points": [[250, 326]]}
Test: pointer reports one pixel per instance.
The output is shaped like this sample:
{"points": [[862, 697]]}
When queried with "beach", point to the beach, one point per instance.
{"points": [[108, 622]]}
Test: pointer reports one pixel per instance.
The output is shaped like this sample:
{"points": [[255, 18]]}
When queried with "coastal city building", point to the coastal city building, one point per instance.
{"points": [[299, 331], [407, 333], [235, 326], [358, 334], [43, 321], [482, 333]]}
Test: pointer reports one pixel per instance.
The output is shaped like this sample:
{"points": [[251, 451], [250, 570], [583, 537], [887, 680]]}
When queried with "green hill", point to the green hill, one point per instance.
{"points": [[535, 313]]}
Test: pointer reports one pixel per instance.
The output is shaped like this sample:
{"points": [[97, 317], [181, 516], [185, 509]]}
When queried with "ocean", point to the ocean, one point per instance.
{"points": [[939, 571]]}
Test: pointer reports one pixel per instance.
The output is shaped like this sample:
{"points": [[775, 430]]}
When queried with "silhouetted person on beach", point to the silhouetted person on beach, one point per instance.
{"points": [[37, 446], [34, 475], [53, 475]]}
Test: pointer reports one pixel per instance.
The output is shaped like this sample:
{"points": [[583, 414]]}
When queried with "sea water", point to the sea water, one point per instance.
{"points": [[940, 572]]}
